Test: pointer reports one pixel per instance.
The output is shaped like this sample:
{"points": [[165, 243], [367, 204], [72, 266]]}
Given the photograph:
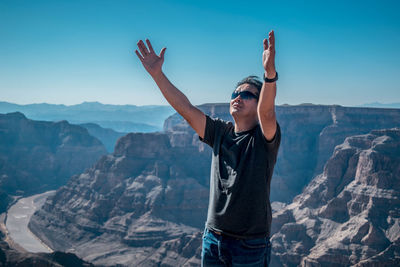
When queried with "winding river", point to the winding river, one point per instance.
{"points": [[18, 216]]}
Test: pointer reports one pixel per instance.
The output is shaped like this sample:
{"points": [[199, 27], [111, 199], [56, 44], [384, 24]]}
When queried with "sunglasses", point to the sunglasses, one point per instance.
{"points": [[244, 95]]}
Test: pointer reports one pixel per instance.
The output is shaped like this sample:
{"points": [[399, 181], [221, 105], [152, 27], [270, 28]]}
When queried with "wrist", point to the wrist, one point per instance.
{"points": [[156, 75], [270, 74], [270, 77]]}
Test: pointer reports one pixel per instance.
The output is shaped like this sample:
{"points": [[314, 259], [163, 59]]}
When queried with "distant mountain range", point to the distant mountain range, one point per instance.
{"points": [[380, 105], [121, 118], [107, 136]]}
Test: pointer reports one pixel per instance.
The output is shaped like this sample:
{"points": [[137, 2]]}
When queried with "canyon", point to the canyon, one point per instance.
{"points": [[145, 204]]}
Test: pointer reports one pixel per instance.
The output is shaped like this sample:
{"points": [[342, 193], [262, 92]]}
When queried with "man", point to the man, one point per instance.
{"points": [[239, 215]]}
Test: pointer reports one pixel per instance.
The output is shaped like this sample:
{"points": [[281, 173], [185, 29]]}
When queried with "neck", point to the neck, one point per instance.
{"points": [[245, 125]]}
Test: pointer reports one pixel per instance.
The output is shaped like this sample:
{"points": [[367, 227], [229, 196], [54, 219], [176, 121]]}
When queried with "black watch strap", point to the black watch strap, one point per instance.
{"points": [[271, 80]]}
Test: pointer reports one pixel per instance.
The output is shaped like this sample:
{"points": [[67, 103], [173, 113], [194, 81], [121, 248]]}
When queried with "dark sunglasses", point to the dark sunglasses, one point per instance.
{"points": [[244, 95]]}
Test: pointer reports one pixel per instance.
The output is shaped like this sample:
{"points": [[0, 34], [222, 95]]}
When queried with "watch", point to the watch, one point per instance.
{"points": [[271, 80]]}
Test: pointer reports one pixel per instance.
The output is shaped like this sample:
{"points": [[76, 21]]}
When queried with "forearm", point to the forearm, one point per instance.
{"points": [[266, 110], [172, 94], [153, 65], [266, 104]]}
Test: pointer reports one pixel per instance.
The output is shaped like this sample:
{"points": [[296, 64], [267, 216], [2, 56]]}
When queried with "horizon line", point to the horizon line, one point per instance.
{"points": [[160, 105]]}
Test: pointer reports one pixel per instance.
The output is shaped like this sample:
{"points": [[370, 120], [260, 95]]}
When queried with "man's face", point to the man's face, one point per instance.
{"points": [[244, 108]]}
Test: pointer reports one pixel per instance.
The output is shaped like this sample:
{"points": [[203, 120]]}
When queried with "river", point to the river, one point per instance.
{"points": [[18, 216]]}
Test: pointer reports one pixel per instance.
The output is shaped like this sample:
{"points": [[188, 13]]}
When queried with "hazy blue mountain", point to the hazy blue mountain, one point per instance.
{"points": [[121, 118], [125, 126], [381, 105], [107, 136]]}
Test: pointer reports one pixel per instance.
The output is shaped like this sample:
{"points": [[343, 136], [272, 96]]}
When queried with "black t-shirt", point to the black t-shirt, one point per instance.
{"points": [[241, 170]]}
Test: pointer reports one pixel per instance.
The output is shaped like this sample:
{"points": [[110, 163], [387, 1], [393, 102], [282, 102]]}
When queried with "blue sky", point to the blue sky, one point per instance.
{"points": [[328, 52]]}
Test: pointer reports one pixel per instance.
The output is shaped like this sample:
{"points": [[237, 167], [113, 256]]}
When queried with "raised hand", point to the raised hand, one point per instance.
{"points": [[269, 56], [151, 62]]}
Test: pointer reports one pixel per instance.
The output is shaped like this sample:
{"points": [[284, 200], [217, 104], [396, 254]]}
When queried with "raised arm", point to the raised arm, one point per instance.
{"points": [[266, 104], [153, 65]]}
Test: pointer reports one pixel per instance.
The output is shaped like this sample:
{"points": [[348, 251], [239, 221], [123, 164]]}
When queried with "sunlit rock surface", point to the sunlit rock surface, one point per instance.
{"points": [[145, 203], [349, 214]]}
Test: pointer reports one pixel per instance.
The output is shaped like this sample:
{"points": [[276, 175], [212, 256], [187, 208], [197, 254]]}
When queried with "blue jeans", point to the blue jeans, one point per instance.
{"points": [[222, 250]]}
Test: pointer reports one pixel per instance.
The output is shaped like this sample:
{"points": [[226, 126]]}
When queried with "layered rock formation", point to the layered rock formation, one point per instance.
{"points": [[309, 136], [142, 205], [36, 156], [350, 214]]}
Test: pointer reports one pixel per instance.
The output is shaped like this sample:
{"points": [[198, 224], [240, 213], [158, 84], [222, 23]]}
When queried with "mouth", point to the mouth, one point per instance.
{"points": [[235, 105]]}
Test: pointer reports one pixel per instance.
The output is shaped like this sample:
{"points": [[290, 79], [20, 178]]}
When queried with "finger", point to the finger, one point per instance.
{"points": [[140, 47], [272, 39], [150, 46], [162, 52], [143, 48], [265, 44], [139, 55]]}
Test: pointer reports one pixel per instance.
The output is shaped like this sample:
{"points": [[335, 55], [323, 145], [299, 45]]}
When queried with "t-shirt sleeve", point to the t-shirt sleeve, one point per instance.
{"points": [[214, 127], [273, 145]]}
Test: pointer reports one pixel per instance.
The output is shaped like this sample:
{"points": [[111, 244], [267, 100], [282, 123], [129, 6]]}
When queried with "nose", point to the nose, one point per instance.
{"points": [[238, 98]]}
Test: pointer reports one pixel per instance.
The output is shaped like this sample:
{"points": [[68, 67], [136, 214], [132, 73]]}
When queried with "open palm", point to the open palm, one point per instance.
{"points": [[269, 55], [151, 62]]}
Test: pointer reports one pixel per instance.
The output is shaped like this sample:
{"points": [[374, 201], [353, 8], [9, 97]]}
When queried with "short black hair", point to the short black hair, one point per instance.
{"points": [[252, 80]]}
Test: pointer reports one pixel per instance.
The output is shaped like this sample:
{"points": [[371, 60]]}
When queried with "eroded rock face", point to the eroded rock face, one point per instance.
{"points": [[145, 203], [349, 214], [36, 155]]}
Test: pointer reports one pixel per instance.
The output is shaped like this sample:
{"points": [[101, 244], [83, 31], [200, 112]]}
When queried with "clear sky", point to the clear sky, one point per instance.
{"points": [[327, 52]]}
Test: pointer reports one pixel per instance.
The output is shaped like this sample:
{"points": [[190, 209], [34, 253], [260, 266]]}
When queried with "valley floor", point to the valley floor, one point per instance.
{"points": [[18, 216]]}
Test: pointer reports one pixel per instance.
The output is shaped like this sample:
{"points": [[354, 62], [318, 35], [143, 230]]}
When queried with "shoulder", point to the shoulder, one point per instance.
{"points": [[217, 122], [214, 129]]}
